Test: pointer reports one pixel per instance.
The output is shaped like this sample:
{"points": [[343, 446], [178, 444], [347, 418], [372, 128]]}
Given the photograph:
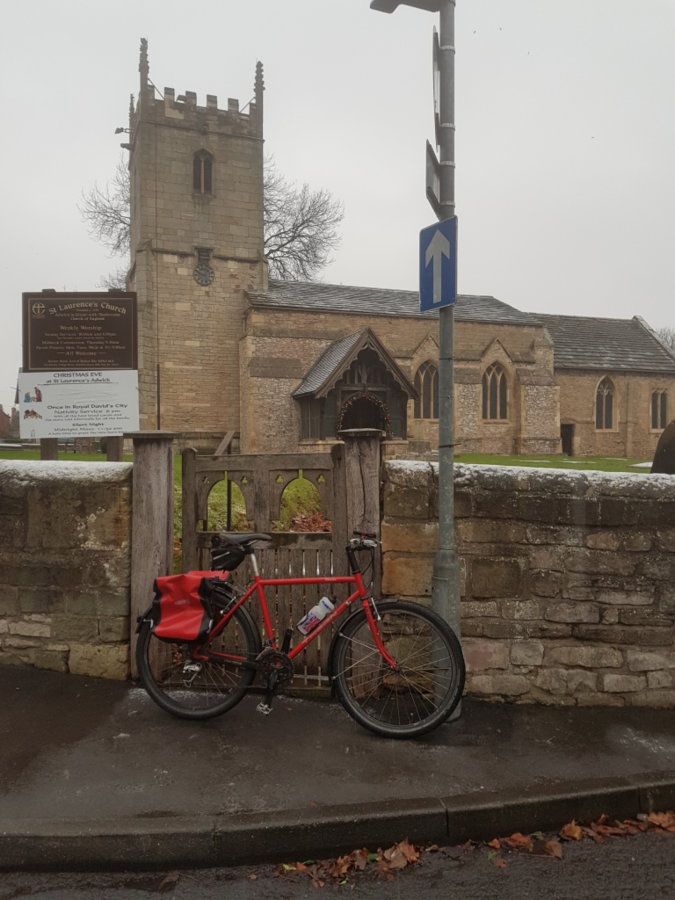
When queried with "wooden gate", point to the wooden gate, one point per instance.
{"points": [[347, 480]]}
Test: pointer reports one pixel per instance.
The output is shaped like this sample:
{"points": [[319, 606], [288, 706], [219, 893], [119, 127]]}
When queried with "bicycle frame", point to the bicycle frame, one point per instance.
{"points": [[258, 585]]}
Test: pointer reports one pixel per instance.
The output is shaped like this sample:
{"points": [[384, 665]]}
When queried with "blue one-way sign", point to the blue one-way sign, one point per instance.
{"points": [[438, 265]]}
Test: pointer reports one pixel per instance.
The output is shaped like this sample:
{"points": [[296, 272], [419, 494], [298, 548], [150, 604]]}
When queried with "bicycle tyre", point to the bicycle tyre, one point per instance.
{"points": [[409, 702], [208, 693]]}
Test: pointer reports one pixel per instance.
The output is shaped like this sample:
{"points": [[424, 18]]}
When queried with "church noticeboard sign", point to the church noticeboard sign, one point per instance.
{"points": [[102, 403], [79, 331]]}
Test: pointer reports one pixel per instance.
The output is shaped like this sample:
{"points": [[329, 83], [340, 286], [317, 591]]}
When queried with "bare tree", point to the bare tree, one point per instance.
{"points": [[107, 211], [667, 335], [115, 280], [301, 225]]}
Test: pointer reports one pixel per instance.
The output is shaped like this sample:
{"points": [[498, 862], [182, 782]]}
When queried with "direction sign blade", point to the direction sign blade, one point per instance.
{"points": [[438, 265], [436, 56], [434, 181]]}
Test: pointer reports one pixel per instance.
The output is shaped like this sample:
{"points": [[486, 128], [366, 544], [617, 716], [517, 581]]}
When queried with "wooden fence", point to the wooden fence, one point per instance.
{"points": [[347, 480]]}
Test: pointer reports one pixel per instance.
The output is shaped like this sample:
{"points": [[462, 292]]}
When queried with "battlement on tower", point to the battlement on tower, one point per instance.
{"points": [[155, 105]]}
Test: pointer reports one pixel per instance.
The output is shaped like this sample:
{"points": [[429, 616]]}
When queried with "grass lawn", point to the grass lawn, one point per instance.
{"points": [[585, 463], [302, 490]]}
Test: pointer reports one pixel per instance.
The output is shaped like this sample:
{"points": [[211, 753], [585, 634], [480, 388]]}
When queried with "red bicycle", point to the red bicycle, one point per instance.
{"points": [[396, 666]]}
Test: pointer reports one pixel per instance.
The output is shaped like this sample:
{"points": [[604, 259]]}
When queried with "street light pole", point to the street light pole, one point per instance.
{"points": [[445, 595], [445, 581]]}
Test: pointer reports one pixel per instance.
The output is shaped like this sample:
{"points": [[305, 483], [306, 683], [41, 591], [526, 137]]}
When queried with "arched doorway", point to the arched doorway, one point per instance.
{"points": [[364, 411]]}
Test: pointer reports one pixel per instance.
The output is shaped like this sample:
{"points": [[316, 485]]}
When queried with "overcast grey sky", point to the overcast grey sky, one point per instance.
{"points": [[565, 137]]}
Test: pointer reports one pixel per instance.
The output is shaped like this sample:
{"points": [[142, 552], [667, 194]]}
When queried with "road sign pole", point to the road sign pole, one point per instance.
{"points": [[445, 581]]}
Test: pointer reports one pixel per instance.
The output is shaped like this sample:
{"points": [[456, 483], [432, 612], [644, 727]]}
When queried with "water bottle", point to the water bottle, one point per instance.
{"points": [[311, 619]]}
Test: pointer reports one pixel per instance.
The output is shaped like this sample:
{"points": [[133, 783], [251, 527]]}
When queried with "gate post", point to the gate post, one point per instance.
{"points": [[362, 479], [152, 521]]}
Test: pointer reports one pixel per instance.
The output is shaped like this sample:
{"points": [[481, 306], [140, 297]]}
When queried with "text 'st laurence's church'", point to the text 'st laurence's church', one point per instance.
{"points": [[289, 365]]}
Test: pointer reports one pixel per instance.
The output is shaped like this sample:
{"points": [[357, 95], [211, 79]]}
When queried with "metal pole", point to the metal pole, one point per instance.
{"points": [[445, 581]]}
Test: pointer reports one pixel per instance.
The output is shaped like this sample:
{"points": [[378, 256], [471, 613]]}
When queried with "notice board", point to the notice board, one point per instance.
{"points": [[79, 331]]}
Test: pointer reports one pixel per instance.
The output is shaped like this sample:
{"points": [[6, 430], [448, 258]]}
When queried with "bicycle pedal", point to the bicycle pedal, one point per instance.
{"points": [[263, 708]]}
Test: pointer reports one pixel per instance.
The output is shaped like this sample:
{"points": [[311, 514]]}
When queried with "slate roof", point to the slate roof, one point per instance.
{"points": [[381, 302], [326, 364], [338, 355], [582, 342]]}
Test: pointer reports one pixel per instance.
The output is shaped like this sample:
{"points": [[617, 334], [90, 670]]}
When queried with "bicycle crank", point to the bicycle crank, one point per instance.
{"points": [[277, 669]]}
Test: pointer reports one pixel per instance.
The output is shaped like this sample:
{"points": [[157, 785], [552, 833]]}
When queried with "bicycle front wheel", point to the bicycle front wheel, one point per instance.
{"points": [[199, 688], [420, 692]]}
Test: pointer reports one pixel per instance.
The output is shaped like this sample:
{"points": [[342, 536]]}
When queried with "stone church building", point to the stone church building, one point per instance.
{"points": [[288, 365]]}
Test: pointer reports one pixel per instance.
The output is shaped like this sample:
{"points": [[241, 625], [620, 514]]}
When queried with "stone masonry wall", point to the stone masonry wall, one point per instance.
{"points": [[189, 332], [280, 346], [65, 553], [567, 578], [632, 434]]}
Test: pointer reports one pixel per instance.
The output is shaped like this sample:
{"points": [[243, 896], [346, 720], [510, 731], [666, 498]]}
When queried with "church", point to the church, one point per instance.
{"points": [[286, 366]]}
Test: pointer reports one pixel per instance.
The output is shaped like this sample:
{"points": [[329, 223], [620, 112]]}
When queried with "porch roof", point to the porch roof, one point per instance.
{"points": [[336, 358]]}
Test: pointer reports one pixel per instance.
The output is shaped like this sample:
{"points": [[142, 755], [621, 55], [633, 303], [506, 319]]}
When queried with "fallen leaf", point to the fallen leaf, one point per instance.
{"points": [[662, 820], [360, 859], [518, 841], [252, 877], [571, 831], [168, 882], [610, 830], [593, 835], [409, 850], [549, 848], [495, 843], [500, 863]]}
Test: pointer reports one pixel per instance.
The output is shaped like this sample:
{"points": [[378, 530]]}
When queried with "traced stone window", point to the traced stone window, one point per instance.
{"points": [[426, 385], [659, 409], [495, 393], [604, 405], [202, 172]]}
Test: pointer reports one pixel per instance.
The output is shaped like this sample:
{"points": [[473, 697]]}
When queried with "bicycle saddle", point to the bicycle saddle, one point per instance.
{"points": [[227, 538]]}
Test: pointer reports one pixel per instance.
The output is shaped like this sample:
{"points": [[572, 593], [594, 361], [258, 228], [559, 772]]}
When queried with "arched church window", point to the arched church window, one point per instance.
{"points": [[604, 405], [202, 172], [659, 409], [495, 393], [426, 385]]}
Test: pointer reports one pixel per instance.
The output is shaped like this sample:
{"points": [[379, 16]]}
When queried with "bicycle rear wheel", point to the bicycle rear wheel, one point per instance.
{"points": [[199, 689], [424, 688]]}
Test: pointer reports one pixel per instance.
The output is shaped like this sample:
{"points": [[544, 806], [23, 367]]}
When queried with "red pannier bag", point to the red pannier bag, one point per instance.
{"points": [[181, 610]]}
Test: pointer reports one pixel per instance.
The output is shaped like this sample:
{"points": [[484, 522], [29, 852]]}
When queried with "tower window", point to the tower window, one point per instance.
{"points": [[495, 393], [604, 405], [426, 385], [202, 172], [659, 409]]}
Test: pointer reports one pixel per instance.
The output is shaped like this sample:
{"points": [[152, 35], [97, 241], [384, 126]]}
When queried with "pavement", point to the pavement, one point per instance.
{"points": [[94, 775]]}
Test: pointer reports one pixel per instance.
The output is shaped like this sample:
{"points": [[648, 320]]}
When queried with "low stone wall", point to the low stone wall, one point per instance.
{"points": [[65, 550], [567, 578]]}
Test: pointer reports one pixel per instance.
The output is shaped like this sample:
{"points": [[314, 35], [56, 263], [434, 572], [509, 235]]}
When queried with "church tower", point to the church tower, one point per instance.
{"points": [[196, 247]]}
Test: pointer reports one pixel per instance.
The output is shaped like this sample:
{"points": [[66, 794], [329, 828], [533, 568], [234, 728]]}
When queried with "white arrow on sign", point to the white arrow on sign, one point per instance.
{"points": [[439, 246]]}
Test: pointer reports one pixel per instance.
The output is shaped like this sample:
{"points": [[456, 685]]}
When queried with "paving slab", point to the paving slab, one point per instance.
{"points": [[95, 770]]}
